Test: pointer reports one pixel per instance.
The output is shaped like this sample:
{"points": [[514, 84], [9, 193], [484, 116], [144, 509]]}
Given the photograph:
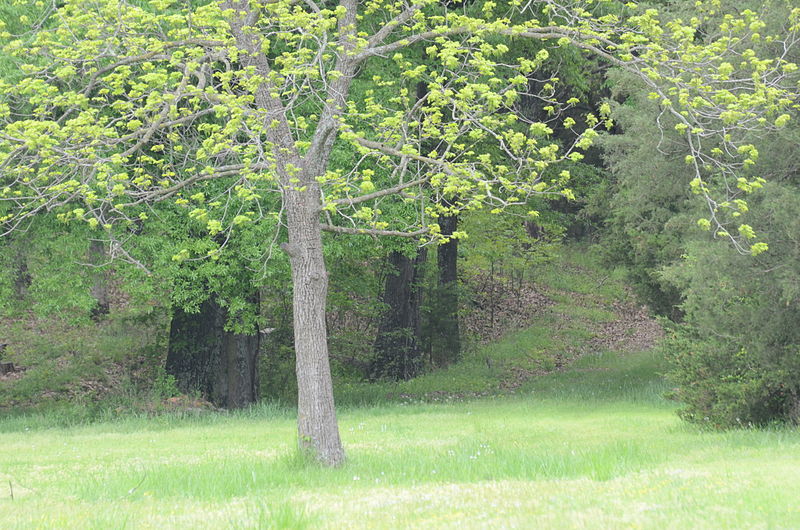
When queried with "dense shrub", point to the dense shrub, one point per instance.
{"points": [[738, 357], [724, 387], [735, 348]]}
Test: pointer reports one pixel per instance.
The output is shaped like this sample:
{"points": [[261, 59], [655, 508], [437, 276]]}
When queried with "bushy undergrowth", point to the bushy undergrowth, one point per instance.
{"points": [[724, 387], [735, 351], [87, 368], [735, 359]]}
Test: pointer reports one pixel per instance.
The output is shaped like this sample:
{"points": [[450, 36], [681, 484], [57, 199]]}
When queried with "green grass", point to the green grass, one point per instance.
{"points": [[607, 376], [593, 446], [579, 270]]}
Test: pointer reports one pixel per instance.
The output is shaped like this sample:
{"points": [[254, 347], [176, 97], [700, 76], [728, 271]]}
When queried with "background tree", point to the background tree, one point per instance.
{"points": [[123, 105], [398, 344], [204, 357], [732, 345]]}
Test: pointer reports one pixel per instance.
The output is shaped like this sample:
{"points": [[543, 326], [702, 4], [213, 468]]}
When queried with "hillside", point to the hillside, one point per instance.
{"points": [[580, 311], [571, 308]]}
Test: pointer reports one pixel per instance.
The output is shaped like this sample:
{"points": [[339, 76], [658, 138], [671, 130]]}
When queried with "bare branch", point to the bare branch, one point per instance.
{"points": [[393, 24], [413, 156], [146, 57], [338, 90]]}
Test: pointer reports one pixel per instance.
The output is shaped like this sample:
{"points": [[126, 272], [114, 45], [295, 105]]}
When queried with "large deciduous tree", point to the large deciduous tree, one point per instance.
{"points": [[122, 104]]}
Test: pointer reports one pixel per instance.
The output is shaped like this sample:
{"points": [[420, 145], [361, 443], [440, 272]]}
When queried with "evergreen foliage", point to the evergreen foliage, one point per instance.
{"points": [[734, 342]]}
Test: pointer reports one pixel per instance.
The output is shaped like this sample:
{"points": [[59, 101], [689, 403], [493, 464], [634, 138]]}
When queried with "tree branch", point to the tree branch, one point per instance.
{"points": [[346, 64], [147, 56], [413, 156], [372, 231], [265, 96], [381, 193], [393, 24], [575, 36]]}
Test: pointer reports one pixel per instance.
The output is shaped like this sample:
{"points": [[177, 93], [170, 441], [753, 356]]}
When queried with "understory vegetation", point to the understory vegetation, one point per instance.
{"points": [[90, 371]]}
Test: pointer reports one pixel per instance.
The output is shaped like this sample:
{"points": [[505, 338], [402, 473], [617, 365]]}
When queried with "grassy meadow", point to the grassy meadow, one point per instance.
{"points": [[547, 428], [546, 457]]}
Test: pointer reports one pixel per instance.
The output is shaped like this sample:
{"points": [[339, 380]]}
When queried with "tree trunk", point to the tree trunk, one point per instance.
{"points": [[99, 290], [203, 357], [317, 428], [397, 346], [445, 333]]}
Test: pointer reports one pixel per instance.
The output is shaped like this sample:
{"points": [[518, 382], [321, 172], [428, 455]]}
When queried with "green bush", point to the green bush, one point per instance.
{"points": [[735, 351], [737, 358], [725, 387]]}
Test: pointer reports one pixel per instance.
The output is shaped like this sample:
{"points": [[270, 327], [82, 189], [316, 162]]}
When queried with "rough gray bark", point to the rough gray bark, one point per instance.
{"points": [[318, 431], [22, 277], [317, 428], [203, 357], [7, 368], [398, 354]]}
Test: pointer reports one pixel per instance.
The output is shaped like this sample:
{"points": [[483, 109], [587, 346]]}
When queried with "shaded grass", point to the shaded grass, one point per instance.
{"points": [[66, 361], [580, 270]]}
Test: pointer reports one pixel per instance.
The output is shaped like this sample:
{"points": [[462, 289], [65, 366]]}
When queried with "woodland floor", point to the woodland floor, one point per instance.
{"points": [[574, 308]]}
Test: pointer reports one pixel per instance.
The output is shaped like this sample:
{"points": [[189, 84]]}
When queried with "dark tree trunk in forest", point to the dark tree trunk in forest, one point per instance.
{"points": [[445, 334], [205, 358], [99, 290], [398, 354]]}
